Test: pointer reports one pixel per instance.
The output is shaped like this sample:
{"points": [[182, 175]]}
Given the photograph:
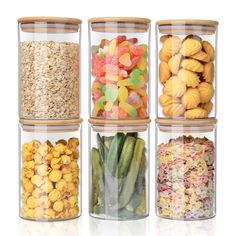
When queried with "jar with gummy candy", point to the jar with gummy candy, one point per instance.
{"points": [[186, 69], [118, 169], [50, 175], [119, 54], [186, 169]]}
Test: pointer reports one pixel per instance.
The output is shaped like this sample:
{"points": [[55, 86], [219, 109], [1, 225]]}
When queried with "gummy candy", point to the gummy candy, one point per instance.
{"points": [[128, 108], [123, 93], [125, 59], [120, 69]]}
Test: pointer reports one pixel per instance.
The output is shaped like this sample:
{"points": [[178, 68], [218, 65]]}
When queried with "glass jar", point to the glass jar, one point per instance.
{"points": [[119, 67], [50, 173], [49, 68], [186, 169], [119, 170], [186, 58]]}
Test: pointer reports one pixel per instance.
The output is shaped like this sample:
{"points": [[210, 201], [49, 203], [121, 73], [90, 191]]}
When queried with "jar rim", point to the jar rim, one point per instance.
{"points": [[120, 122], [119, 19], [58, 122], [187, 22]]}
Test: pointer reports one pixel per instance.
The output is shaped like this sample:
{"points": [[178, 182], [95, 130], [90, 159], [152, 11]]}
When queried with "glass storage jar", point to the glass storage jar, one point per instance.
{"points": [[50, 173], [186, 64], [49, 68], [119, 67], [186, 169], [119, 169]]}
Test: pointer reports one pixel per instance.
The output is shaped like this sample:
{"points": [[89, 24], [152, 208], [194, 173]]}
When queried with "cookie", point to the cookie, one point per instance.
{"points": [[174, 87], [201, 56], [196, 113], [191, 98], [208, 48], [171, 46], [174, 110], [174, 63], [208, 73], [207, 106], [164, 72], [206, 91], [192, 65], [190, 47], [166, 100], [190, 78]]}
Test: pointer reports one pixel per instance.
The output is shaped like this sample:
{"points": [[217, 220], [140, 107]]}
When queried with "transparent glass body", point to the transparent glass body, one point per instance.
{"points": [[119, 69], [119, 172], [49, 70], [50, 176], [186, 172], [186, 70]]}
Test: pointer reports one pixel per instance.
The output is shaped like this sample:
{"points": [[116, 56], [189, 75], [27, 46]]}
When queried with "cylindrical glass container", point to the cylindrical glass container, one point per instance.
{"points": [[119, 170], [49, 68], [119, 67], [50, 173], [186, 169], [186, 64]]}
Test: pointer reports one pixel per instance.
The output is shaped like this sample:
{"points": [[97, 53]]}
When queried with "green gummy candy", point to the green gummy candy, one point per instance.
{"points": [[101, 101], [133, 112], [135, 81], [111, 92], [135, 73]]}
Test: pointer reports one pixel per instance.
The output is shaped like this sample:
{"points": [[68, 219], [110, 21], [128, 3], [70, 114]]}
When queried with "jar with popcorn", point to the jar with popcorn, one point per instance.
{"points": [[186, 69], [50, 173], [119, 67], [49, 68], [119, 169], [186, 169]]}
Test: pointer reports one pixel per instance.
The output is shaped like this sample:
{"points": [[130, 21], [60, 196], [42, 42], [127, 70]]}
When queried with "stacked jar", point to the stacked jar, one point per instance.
{"points": [[50, 123], [119, 117], [186, 111]]}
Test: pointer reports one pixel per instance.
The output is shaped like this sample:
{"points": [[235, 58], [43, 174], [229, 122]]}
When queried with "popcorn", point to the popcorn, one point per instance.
{"points": [[50, 179]]}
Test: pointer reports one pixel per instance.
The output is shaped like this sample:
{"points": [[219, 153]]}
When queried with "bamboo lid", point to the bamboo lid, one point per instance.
{"points": [[182, 26], [120, 122], [51, 122], [119, 24], [115, 126], [186, 126], [49, 24], [49, 19]]}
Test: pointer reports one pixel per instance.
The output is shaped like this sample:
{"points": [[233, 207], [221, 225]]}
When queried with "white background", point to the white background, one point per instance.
{"points": [[223, 11]]}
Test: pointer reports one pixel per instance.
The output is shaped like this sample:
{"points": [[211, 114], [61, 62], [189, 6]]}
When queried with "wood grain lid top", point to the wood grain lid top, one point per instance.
{"points": [[49, 20], [120, 19], [187, 22]]}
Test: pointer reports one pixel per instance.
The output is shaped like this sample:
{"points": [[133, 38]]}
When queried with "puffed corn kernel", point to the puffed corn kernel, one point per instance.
{"points": [[61, 185], [55, 175], [58, 206], [68, 177], [37, 180], [65, 159], [44, 202], [54, 195], [73, 200], [31, 202]]}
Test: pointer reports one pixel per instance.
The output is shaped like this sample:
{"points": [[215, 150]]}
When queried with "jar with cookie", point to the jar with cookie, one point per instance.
{"points": [[186, 66]]}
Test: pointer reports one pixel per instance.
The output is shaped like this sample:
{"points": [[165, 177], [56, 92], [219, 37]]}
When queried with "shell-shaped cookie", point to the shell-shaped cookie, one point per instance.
{"points": [[209, 71], [164, 37], [174, 63], [166, 100], [196, 113], [171, 46], [174, 87], [208, 48], [201, 56], [207, 106], [163, 57], [190, 47], [206, 91], [190, 78], [191, 98], [174, 110], [193, 36], [164, 72], [192, 65]]}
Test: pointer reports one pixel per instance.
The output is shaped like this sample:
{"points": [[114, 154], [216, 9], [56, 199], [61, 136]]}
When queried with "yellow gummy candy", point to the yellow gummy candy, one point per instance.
{"points": [[123, 93], [125, 59], [108, 106], [112, 47], [142, 64], [125, 82], [95, 86], [141, 92], [96, 109], [128, 108], [140, 85]]}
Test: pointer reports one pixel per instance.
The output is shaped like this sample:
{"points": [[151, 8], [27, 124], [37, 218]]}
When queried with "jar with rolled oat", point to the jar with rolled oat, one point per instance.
{"points": [[50, 173], [186, 62], [49, 68]]}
